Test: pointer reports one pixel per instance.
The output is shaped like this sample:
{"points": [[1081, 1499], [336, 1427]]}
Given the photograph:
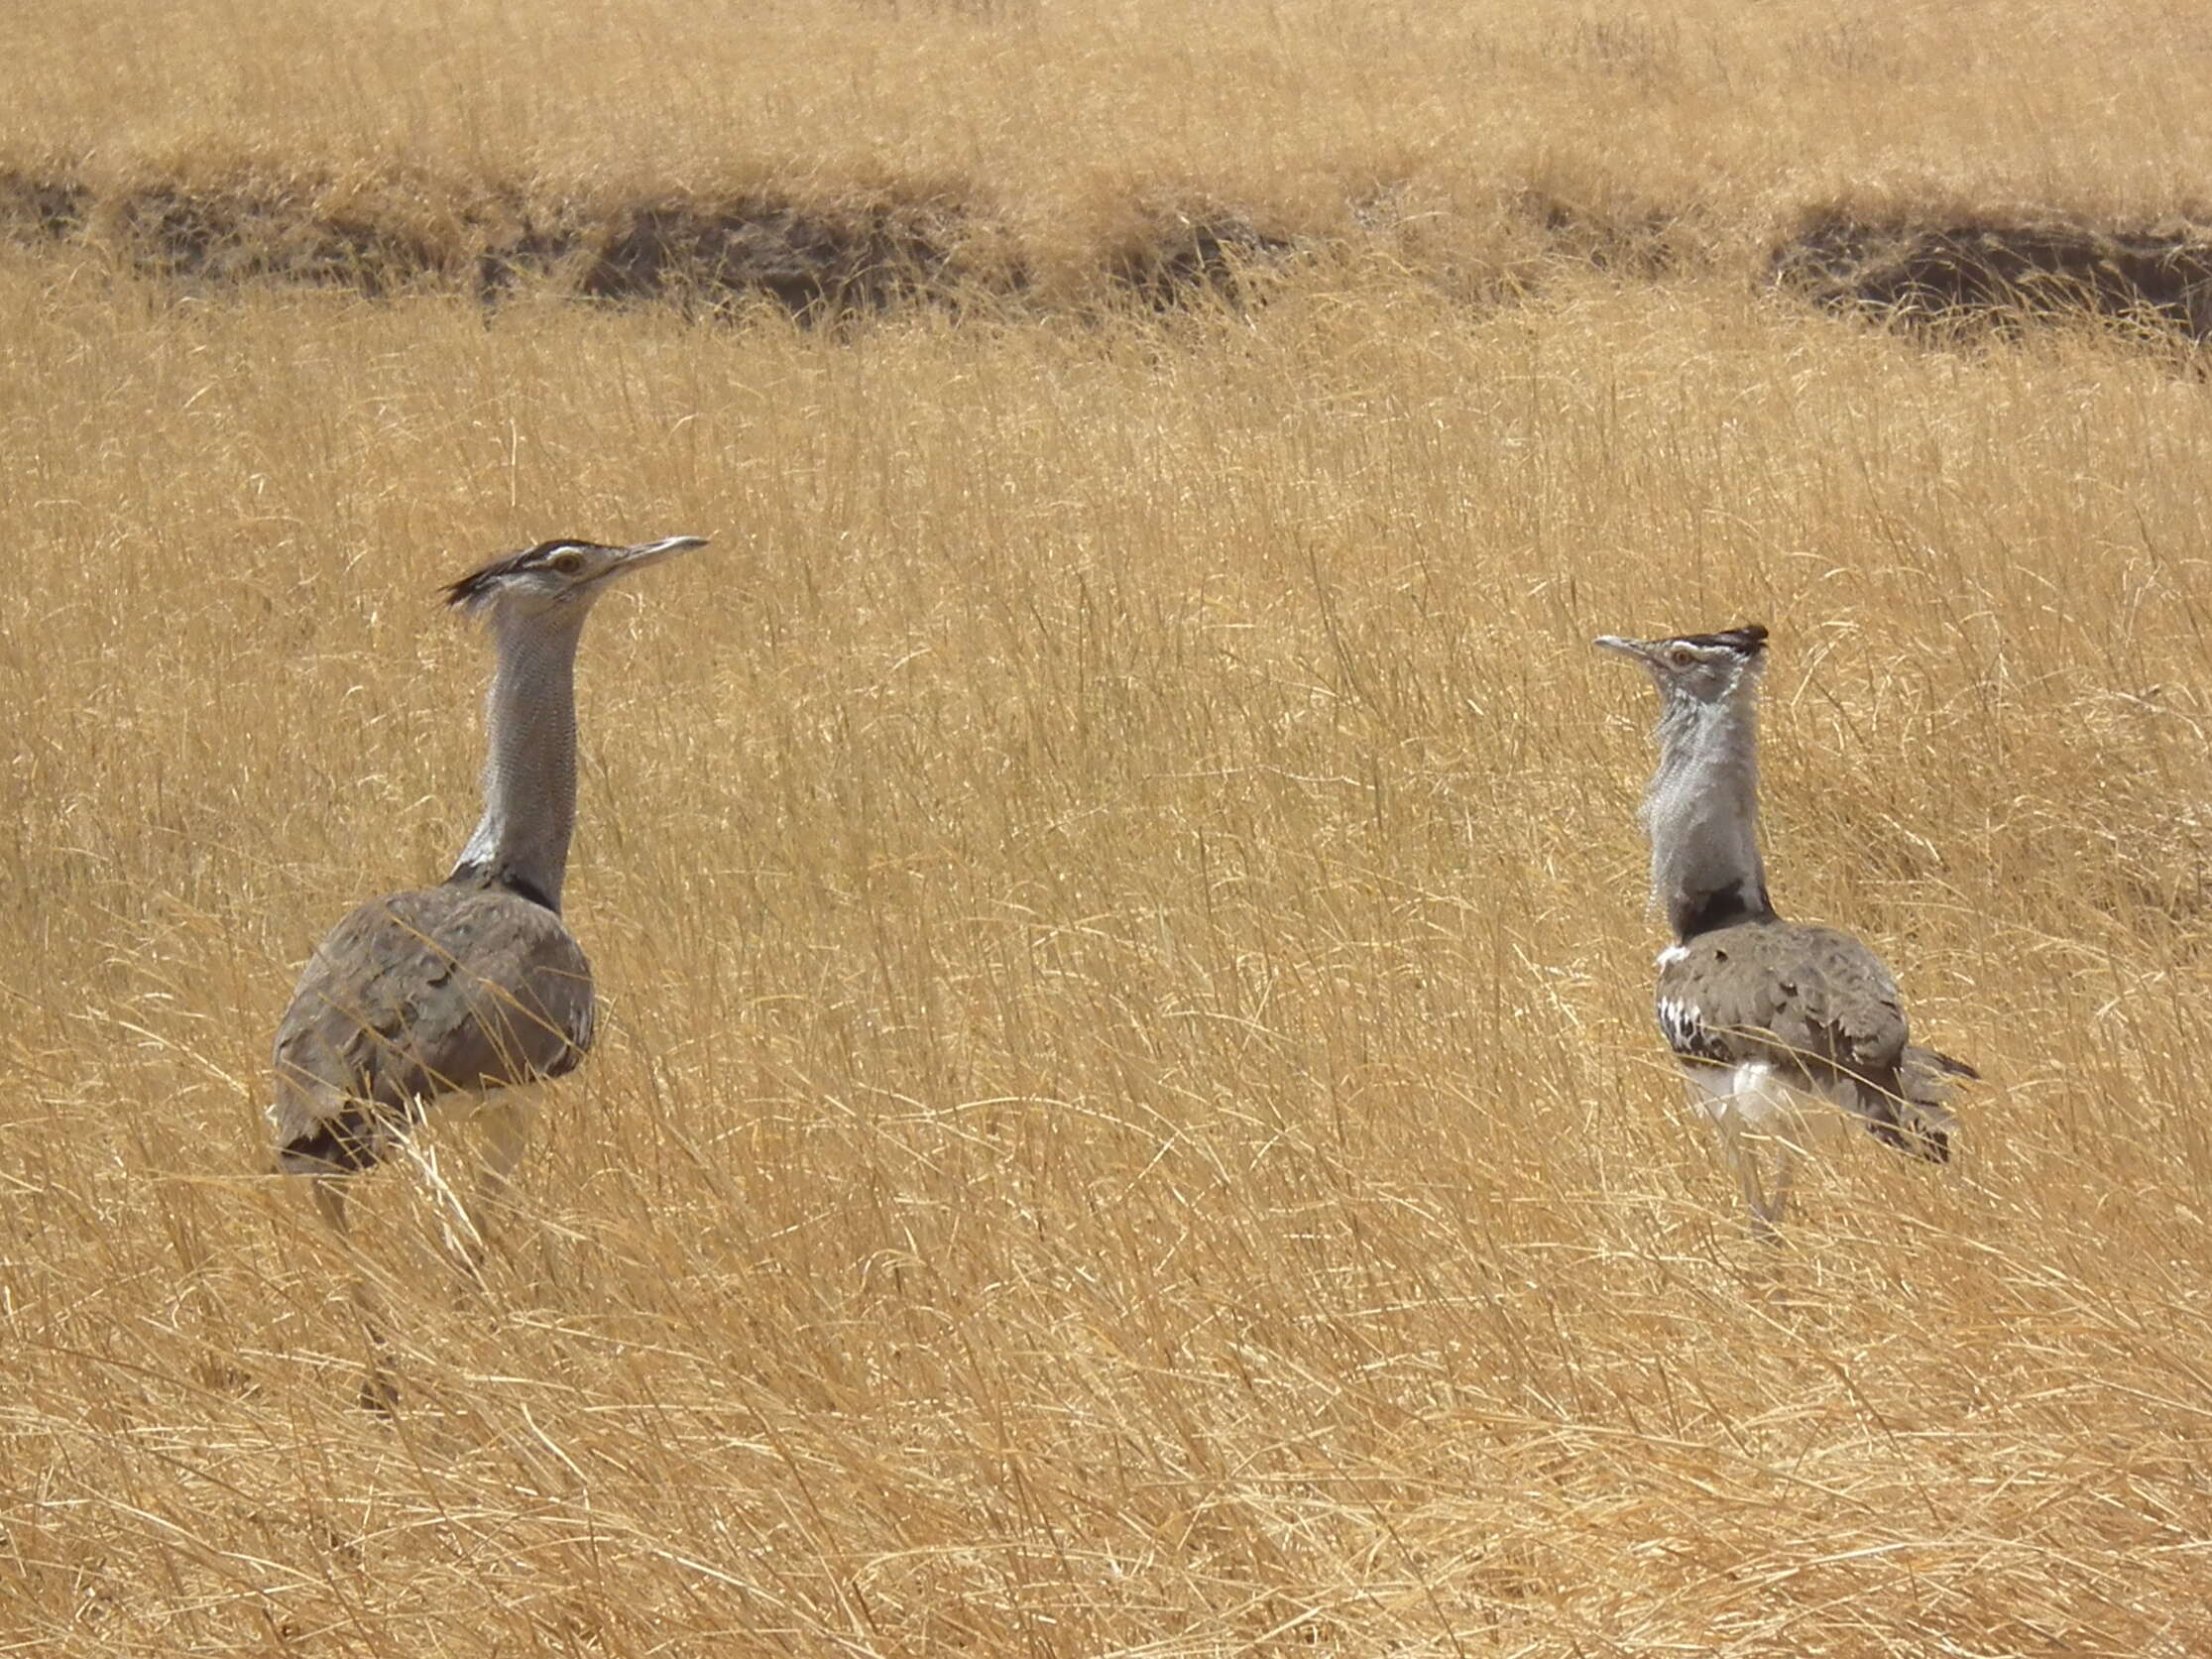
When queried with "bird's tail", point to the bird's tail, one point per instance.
{"points": [[345, 1143], [1917, 1117]]}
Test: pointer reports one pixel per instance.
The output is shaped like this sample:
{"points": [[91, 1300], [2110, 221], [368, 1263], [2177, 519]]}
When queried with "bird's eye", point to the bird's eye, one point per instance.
{"points": [[1682, 656], [568, 562]]}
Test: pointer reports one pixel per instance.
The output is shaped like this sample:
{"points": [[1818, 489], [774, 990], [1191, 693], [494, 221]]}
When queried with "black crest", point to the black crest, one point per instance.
{"points": [[1748, 639]]}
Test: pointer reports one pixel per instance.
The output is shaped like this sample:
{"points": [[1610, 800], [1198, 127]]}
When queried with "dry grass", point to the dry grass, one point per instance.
{"points": [[1464, 141], [1129, 1119]]}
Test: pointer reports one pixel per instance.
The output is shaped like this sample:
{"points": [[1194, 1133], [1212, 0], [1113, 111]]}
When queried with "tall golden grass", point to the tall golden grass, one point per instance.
{"points": [[1129, 1119]]}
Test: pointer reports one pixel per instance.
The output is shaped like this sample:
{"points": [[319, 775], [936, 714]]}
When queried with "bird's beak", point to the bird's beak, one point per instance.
{"points": [[652, 552], [1636, 649]]}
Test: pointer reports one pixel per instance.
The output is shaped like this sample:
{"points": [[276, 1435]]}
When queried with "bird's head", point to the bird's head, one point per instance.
{"points": [[557, 576], [1697, 668]]}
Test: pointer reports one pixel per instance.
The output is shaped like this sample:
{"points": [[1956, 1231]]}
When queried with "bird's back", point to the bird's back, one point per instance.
{"points": [[455, 987], [1807, 999], [1822, 1009]]}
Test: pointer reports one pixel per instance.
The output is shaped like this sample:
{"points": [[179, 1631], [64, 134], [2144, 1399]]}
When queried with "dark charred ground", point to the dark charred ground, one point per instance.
{"points": [[871, 252]]}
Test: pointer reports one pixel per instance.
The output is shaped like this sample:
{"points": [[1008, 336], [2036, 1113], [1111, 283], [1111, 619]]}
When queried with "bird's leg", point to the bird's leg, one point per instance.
{"points": [[1734, 1145], [1768, 1188], [507, 1115], [1751, 1140], [1789, 1156], [380, 1388]]}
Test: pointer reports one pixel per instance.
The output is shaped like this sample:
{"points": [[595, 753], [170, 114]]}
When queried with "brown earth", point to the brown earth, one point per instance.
{"points": [[812, 261], [820, 261], [1946, 271]]}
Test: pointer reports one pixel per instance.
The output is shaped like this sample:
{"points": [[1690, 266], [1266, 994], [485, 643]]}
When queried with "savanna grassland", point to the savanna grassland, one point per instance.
{"points": [[1128, 1119]]}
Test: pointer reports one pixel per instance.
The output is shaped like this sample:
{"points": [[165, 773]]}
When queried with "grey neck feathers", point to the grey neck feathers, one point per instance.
{"points": [[1701, 812], [530, 772]]}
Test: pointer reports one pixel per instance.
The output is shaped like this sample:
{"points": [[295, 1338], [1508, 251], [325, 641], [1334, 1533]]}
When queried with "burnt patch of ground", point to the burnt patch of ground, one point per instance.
{"points": [[526, 245], [251, 230], [812, 262], [816, 262], [2005, 272], [1180, 254], [872, 248], [36, 207]]}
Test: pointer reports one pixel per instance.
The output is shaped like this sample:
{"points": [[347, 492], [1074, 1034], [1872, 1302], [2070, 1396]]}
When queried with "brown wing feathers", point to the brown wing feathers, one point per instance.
{"points": [[1819, 1006], [415, 995]]}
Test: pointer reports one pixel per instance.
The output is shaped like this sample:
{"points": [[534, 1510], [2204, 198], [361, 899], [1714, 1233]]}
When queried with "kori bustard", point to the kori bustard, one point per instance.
{"points": [[474, 988], [1766, 1016]]}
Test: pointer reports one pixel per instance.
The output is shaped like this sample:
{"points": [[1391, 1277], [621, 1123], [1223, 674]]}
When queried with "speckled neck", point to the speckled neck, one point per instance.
{"points": [[530, 770], [1701, 812]]}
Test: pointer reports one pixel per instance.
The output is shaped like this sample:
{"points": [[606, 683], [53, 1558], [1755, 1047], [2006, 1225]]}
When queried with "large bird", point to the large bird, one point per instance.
{"points": [[473, 989], [1766, 1016]]}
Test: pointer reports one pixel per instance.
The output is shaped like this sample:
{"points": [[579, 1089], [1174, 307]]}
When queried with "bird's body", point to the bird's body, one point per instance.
{"points": [[464, 988], [1766, 1016], [474, 989], [1810, 1007]]}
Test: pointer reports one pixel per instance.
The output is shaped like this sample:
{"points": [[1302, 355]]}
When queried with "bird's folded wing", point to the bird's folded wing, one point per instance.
{"points": [[1807, 999], [422, 993]]}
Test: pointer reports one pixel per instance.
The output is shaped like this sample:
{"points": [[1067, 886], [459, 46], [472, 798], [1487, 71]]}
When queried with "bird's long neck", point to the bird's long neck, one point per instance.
{"points": [[530, 772], [1702, 814]]}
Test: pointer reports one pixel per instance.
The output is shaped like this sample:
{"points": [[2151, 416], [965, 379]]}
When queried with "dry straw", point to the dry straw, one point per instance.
{"points": [[1129, 1119]]}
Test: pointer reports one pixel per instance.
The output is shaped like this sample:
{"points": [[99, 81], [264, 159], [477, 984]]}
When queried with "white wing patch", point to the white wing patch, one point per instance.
{"points": [[1683, 1027]]}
